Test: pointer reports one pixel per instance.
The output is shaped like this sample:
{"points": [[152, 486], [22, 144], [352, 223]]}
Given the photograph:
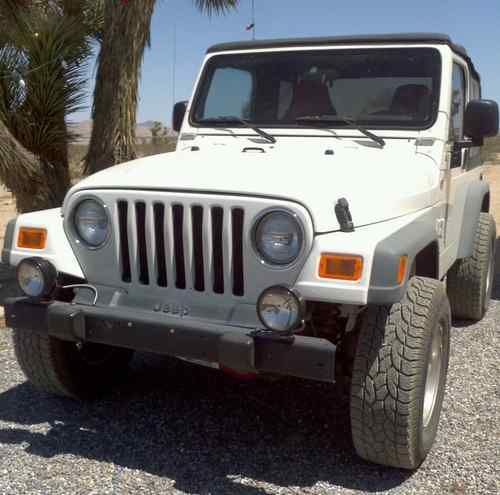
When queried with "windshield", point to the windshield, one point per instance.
{"points": [[378, 88]]}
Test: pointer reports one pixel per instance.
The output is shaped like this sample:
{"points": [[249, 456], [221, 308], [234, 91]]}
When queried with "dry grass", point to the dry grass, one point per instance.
{"points": [[491, 149]]}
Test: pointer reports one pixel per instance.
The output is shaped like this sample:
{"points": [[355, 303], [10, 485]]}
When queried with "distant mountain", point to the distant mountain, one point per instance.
{"points": [[148, 123], [83, 129]]}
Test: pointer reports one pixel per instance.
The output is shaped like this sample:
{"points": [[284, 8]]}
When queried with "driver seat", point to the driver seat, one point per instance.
{"points": [[411, 99], [310, 97]]}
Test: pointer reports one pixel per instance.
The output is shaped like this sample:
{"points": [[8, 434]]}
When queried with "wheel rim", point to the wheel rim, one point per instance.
{"points": [[433, 376], [489, 277]]}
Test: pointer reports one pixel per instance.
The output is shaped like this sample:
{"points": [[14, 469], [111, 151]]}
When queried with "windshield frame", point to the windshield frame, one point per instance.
{"points": [[202, 89]]}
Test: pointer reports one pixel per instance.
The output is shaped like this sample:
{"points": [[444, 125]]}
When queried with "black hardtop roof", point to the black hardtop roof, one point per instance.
{"points": [[397, 38]]}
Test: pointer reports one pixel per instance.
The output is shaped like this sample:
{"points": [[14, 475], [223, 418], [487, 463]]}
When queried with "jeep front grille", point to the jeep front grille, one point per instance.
{"points": [[183, 246]]}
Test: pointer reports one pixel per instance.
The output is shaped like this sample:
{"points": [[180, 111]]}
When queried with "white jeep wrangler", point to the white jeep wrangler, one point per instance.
{"points": [[324, 216]]}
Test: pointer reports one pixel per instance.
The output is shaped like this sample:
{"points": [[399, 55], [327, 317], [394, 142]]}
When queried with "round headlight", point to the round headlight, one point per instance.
{"points": [[36, 277], [280, 309], [91, 222], [278, 238]]}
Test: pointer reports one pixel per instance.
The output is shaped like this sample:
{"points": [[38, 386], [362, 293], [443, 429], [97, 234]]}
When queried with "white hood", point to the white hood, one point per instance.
{"points": [[379, 184]]}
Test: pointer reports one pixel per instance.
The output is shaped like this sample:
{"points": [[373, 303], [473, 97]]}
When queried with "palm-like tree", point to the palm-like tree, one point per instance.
{"points": [[126, 34], [43, 49]]}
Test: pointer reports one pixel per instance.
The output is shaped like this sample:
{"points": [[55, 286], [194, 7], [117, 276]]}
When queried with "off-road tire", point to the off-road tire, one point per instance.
{"points": [[470, 280], [61, 368], [390, 373]]}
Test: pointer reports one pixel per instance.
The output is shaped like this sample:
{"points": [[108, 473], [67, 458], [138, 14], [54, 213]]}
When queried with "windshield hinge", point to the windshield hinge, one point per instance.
{"points": [[344, 215]]}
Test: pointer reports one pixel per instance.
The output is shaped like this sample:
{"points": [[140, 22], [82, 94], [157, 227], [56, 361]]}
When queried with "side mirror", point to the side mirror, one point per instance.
{"points": [[178, 115], [481, 120]]}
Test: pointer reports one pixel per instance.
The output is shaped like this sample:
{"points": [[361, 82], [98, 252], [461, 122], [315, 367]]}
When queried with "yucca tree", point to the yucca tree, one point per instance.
{"points": [[43, 49], [126, 34]]}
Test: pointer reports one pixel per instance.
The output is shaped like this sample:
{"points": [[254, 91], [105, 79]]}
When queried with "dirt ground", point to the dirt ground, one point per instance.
{"points": [[493, 176]]}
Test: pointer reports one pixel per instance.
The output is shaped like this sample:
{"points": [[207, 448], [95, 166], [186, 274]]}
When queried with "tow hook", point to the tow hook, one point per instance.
{"points": [[287, 338]]}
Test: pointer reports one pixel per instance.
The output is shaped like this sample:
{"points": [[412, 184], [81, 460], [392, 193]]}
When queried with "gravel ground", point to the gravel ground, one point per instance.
{"points": [[178, 428]]}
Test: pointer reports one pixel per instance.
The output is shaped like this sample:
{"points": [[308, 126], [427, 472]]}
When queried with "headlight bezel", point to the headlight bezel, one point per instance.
{"points": [[254, 241], [78, 237]]}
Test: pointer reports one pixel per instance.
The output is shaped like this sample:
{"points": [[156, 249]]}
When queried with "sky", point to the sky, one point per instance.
{"points": [[474, 24]]}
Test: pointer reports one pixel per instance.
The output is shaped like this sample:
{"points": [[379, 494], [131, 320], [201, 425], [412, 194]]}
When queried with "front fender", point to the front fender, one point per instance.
{"points": [[381, 246], [57, 250]]}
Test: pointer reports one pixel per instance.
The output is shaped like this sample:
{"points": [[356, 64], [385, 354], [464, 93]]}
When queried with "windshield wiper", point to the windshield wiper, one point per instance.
{"points": [[238, 120], [321, 119]]}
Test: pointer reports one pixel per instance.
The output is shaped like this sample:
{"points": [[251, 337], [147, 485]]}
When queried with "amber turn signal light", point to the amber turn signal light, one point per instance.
{"points": [[403, 261], [340, 266], [32, 238]]}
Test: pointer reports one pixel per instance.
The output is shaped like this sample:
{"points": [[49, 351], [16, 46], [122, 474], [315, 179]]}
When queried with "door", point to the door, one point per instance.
{"points": [[463, 162]]}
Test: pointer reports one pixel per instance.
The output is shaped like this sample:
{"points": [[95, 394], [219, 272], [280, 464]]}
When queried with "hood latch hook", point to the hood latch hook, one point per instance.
{"points": [[344, 215]]}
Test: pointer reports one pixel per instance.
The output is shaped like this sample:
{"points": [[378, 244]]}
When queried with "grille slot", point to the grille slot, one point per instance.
{"points": [[124, 253], [217, 218], [180, 271], [237, 224], [182, 246], [161, 264], [197, 223], [140, 215]]}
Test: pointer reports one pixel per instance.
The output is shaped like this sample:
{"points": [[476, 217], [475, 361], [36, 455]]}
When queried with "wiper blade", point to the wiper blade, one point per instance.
{"points": [[238, 120], [340, 118]]}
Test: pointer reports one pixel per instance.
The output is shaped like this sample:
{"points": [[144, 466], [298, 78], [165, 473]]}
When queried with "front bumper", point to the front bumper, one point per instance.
{"points": [[223, 345]]}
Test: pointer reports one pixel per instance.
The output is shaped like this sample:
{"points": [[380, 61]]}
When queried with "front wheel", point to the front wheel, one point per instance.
{"points": [[399, 376], [67, 369]]}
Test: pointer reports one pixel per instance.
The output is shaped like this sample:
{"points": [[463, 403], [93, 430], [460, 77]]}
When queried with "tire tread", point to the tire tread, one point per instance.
{"points": [[37, 356], [466, 280], [387, 375]]}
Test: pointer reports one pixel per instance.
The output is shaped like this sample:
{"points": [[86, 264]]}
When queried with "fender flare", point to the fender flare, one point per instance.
{"points": [[407, 241], [476, 192]]}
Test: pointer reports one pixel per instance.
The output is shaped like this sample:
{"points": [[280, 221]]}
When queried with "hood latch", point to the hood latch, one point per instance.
{"points": [[344, 215]]}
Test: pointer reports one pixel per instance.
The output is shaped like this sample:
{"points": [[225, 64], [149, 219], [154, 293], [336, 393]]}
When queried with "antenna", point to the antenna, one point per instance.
{"points": [[251, 26], [174, 58], [253, 19]]}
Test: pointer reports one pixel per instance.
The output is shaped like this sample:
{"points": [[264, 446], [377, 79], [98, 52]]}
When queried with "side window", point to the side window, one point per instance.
{"points": [[457, 103], [474, 154], [229, 95], [476, 89]]}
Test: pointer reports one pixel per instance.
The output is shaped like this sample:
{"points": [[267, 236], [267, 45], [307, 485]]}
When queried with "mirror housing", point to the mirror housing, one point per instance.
{"points": [[481, 120], [178, 115]]}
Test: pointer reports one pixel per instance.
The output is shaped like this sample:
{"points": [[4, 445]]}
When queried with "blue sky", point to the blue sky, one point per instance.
{"points": [[474, 24]]}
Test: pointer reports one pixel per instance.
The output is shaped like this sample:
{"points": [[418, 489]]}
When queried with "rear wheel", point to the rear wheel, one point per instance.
{"points": [[470, 280], [67, 369], [399, 376]]}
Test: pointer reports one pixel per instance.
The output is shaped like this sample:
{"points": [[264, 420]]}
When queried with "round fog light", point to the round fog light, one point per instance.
{"points": [[36, 277], [280, 309]]}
